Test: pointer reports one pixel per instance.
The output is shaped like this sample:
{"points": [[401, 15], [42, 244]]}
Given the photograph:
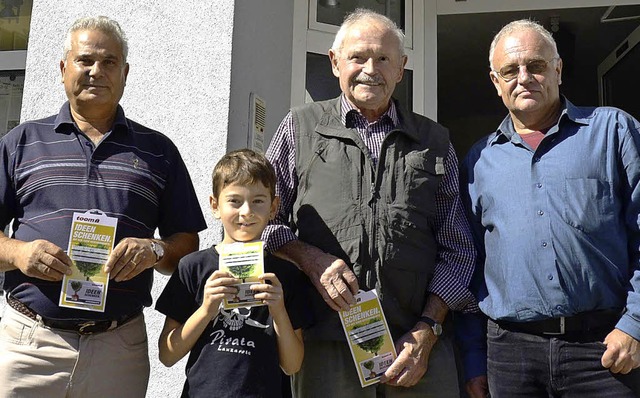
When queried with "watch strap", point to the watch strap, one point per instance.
{"points": [[435, 326]]}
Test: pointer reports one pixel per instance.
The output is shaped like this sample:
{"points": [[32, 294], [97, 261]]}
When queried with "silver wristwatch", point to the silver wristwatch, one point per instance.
{"points": [[435, 326], [158, 250]]}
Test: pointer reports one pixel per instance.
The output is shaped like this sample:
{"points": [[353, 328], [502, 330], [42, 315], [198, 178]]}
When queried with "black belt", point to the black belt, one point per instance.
{"points": [[583, 322], [80, 326]]}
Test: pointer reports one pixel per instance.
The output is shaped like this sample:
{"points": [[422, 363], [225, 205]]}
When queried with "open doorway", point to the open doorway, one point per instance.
{"points": [[467, 102]]}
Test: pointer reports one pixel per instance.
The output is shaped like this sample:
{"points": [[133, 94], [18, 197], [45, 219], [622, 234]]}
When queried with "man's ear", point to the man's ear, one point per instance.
{"points": [[559, 70], [401, 71], [213, 202], [126, 72], [62, 69], [333, 57], [495, 79]]}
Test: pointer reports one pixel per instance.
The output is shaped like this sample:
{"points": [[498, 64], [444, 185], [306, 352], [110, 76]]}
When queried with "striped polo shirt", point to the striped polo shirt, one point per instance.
{"points": [[49, 169]]}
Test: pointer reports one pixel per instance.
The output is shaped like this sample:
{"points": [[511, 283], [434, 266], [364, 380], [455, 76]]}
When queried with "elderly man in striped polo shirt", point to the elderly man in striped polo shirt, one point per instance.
{"points": [[88, 156]]}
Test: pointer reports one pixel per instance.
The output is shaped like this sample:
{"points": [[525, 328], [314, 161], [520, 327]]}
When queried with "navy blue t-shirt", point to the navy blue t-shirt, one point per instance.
{"points": [[237, 354]]}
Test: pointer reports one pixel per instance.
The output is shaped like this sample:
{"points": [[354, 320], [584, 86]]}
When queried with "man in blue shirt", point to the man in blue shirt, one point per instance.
{"points": [[553, 196]]}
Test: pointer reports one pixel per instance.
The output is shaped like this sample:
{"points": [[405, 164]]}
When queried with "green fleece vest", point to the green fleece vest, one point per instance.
{"points": [[380, 219]]}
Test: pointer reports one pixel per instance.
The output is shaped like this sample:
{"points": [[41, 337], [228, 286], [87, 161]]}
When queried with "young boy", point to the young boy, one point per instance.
{"points": [[234, 353]]}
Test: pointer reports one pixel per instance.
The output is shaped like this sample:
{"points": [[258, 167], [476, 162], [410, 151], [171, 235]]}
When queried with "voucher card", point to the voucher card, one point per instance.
{"points": [[90, 243], [244, 261], [368, 337]]}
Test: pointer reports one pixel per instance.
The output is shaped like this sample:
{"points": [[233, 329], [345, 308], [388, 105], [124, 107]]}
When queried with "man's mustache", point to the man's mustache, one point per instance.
{"points": [[366, 79]]}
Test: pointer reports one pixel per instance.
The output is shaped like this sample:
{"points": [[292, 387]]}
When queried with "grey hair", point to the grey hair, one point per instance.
{"points": [[103, 24], [519, 25], [361, 14]]}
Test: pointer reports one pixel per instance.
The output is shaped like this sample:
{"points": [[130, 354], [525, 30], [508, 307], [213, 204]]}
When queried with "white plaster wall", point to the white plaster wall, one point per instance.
{"points": [[261, 64], [179, 84]]}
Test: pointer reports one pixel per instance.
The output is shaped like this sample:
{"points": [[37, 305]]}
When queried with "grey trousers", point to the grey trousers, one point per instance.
{"points": [[328, 371]]}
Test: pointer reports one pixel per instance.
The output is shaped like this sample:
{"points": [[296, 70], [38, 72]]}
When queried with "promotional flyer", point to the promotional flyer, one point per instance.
{"points": [[90, 242], [369, 338], [244, 261]]}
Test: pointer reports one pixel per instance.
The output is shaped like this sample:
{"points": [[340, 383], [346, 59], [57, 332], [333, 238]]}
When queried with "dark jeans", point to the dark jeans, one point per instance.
{"points": [[526, 365]]}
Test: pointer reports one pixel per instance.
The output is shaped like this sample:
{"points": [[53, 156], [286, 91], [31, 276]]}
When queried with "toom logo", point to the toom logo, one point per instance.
{"points": [[88, 219]]}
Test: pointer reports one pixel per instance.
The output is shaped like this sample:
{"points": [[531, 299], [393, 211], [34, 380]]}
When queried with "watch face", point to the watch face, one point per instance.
{"points": [[158, 250], [437, 329]]}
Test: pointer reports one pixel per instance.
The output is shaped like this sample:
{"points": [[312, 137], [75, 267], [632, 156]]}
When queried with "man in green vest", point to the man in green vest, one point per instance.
{"points": [[370, 201]]}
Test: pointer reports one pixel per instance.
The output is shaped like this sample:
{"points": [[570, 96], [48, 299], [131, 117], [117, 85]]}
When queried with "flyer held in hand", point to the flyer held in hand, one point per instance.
{"points": [[244, 261], [368, 336], [90, 243]]}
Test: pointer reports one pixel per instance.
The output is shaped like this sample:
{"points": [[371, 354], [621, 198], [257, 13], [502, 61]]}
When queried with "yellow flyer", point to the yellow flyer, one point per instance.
{"points": [[369, 338], [90, 242], [244, 261]]}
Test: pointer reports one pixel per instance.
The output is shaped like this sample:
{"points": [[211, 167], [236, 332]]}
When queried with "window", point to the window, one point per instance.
{"points": [[15, 21], [11, 86]]}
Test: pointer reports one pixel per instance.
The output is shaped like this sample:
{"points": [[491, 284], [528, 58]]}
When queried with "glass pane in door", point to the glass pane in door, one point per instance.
{"points": [[332, 12]]}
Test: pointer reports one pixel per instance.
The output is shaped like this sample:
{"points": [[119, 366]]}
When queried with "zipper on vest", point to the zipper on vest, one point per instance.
{"points": [[373, 235], [316, 154]]}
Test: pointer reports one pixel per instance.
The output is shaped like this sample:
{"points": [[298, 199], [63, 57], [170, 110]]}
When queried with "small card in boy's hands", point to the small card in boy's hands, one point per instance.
{"points": [[244, 261]]}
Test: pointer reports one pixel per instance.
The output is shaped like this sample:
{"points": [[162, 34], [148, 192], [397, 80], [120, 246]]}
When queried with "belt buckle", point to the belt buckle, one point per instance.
{"points": [[85, 325], [562, 330]]}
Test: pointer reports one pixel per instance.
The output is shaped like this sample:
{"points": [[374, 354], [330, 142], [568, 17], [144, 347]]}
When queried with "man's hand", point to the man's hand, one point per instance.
{"points": [[334, 280], [42, 259], [622, 354], [414, 349], [331, 276], [477, 387], [129, 258]]}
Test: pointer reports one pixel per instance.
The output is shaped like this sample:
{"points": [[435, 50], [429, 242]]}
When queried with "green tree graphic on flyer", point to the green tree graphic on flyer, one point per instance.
{"points": [[372, 345], [242, 271], [76, 286], [369, 366], [88, 269]]}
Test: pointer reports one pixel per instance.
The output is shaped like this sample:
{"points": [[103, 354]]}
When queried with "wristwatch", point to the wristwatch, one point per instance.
{"points": [[435, 326], [158, 250]]}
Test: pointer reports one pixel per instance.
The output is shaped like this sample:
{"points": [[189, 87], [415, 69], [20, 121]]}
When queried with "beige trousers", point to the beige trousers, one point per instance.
{"points": [[39, 362]]}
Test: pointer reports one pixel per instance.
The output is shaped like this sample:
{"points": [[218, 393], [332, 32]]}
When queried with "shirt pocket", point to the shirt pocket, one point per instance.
{"points": [[588, 204]]}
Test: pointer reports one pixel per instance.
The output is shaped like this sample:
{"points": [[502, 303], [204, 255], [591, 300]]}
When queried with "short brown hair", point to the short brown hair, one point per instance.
{"points": [[244, 167]]}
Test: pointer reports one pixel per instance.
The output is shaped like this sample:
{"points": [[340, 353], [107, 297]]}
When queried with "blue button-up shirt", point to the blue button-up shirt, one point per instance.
{"points": [[559, 226]]}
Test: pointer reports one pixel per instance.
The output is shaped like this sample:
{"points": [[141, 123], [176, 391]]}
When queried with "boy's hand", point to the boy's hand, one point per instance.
{"points": [[218, 287], [270, 294]]}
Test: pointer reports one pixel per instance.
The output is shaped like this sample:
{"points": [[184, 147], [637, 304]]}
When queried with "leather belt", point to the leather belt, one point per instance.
{"points": [[81, 326], [579, 323]]}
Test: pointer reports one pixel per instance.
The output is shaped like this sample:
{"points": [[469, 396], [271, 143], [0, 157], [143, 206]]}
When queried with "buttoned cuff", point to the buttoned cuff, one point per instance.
{"points": [[629, 325], [277, 235], [453, 293]]}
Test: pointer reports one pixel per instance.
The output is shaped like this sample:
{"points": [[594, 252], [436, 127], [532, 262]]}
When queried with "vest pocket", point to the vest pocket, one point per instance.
{"points": [[421, 174], [409, 260]]}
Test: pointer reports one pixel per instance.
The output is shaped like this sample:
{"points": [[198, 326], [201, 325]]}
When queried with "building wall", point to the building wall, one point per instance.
{"points": [[261, 64]]}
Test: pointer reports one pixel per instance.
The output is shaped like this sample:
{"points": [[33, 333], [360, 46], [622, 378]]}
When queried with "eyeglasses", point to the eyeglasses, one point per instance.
{"points": [[535, 67]]}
